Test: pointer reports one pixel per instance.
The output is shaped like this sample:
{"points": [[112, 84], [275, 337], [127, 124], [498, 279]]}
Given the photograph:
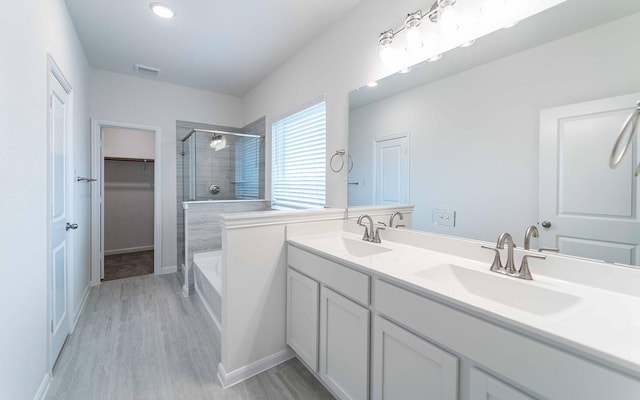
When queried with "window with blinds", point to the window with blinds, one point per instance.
{"points": [[298, 159]]}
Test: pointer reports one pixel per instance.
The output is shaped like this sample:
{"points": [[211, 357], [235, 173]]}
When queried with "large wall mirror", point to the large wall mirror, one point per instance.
{"points": [[513, 131]]}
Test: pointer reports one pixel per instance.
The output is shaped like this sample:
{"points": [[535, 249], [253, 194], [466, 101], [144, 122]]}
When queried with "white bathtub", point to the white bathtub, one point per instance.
{"points": [[207, 282]]}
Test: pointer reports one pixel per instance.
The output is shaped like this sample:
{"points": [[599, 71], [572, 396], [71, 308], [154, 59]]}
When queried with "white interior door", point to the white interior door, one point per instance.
{"points": [[60, 184], [392, 170], [592, 209]]}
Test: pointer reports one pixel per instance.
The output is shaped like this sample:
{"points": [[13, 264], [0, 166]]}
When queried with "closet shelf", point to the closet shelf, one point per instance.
{"points": [[129, 159]]}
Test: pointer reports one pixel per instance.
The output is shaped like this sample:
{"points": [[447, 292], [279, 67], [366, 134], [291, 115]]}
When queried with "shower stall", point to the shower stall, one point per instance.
{"points": [[219, 172], [219, 165]]}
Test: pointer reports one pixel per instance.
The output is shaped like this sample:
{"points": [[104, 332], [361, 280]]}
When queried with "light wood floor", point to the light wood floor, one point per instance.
{"points": [[138, 339]]}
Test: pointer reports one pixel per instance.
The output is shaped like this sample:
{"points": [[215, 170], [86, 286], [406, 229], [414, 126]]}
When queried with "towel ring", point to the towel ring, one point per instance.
{"points": [[340, 154], [350, 160]]}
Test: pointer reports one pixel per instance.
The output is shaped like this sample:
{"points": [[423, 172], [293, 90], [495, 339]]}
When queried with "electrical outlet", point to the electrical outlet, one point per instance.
{"points": [[443, 217]]}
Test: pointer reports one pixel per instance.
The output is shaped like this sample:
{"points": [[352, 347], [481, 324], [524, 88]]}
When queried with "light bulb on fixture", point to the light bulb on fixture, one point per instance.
{"points": [[446, 15], [372, 84], [413, 36], [386, 52]]}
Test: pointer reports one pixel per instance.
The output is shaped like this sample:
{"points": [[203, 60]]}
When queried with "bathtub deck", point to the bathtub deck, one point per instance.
{"points": [[138, 338]]}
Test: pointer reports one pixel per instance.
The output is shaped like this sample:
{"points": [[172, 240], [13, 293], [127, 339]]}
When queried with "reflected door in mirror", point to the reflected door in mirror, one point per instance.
{"points": [[593, 209], [392, 169]]}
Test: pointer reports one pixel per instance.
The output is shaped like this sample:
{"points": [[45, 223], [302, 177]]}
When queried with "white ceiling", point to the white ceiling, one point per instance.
{"points": [[224, 46]]}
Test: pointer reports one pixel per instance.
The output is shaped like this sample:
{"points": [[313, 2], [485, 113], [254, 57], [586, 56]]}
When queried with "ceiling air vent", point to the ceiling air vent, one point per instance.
{"points": [[143, 70]]}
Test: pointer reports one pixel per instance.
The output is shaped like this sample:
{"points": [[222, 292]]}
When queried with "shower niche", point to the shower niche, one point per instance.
{"points": [[220, 165]]}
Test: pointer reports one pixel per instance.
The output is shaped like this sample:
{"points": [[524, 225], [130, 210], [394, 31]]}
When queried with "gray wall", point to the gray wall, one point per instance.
{"points": [[128, 205]]}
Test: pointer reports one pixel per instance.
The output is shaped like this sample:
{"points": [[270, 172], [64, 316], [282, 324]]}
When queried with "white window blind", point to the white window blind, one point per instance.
{"points": [[298, 159]]}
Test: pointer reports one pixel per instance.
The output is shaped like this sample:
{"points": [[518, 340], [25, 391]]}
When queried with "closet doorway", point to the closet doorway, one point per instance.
{"points": [[126, 202]]}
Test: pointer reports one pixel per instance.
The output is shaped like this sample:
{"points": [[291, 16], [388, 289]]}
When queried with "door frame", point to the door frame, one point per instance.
{"points": [[374, 182], [54, 71], [97, 171]]}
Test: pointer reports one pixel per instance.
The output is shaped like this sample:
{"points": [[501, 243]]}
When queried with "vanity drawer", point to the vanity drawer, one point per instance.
{"points": [[524, 362], [342, 279]]}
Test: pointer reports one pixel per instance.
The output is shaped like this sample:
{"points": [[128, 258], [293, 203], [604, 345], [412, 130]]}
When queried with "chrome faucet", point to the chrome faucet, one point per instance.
{"points": [[369, 234], [532, 231], [399, 214], [510, 267]]}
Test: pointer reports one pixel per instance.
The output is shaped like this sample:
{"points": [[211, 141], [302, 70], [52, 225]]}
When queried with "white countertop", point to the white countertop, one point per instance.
{"points": [[595, 323]]}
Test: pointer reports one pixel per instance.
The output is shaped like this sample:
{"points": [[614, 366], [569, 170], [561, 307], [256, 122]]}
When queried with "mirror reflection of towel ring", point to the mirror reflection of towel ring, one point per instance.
{"points": [[628, 132], [350, 161]]}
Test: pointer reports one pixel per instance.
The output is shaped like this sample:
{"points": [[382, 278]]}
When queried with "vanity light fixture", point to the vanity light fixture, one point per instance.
{"points": [[441, 12], [451, 26], [162, 10]]}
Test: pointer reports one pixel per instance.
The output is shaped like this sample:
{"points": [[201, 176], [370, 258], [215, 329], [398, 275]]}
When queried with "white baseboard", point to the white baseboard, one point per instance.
{"points": [[76, 316], [228, 379], [127, 250], [168, 270], [43, 389]]}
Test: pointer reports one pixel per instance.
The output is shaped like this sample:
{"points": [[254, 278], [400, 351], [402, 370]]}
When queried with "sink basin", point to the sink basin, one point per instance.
{"points": [[508, 291], [360, 248]]}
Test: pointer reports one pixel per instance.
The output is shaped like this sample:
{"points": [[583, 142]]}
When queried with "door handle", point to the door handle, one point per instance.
{"points": [[70, 226], [546, 224]]}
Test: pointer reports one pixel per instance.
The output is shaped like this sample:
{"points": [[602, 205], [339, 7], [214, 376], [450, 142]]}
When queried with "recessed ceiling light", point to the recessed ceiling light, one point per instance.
{"points": [[405, 70], [434, 58], [372, 84], [162, 10]]}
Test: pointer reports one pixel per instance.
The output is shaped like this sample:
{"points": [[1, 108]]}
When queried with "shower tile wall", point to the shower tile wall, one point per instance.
{"points": [[182, 129]]}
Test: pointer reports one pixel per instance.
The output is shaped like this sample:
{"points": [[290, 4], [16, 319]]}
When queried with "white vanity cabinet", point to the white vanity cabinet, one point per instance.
{"points": [[344, 345], [483, 386], [408, 367], [368, 336], [302, 317], [328, 322]]}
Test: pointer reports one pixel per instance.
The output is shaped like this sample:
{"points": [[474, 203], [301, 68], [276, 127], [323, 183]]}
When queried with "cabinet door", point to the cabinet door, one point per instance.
{"points": [[302, 317], [408, 367], [485, 387], [344, 346]]}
